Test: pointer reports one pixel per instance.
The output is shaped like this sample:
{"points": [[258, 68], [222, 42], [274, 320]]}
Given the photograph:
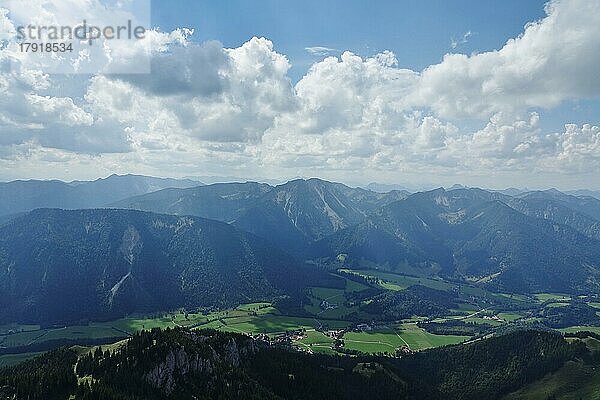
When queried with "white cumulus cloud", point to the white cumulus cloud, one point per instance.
{"points": [[205, 108]]}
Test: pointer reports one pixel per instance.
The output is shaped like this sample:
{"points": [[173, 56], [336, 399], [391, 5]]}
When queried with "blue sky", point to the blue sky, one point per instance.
{"points": [[418, 32]]}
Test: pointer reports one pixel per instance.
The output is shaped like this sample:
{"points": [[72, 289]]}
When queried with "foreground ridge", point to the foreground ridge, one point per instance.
{"points": [[205, 364]]}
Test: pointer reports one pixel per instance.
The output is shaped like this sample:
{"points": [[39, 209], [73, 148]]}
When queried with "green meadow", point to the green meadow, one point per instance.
{"points": [[393, 338]]}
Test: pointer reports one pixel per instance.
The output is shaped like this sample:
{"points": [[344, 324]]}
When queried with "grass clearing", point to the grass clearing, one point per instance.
{"points": [[91, 331], [23, 335], [386, 341], [515, 296], [324, 293], [317, 342], [337, 299], [574, 381], [82, 332], [15, 328], [391, 286], [21, 338], [254, 306], [269, 324], [419, 339], [133, 325], [543, 297], [594, 304], [574, 329], [352, 286], [556, 305], [510, 317], [400, 282], [468, 308]]}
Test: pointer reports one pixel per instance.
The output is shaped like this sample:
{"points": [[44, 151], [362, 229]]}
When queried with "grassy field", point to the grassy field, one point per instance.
{"points": [[337, 297], [21, 338], [317, 342], [264, 318], [381, 341], [268, 324], [248, 318], [327, 293], [333, 296], [11, 328], [573, 329], [514, 296], [132, 325], [594, 304], [573, 381], [394, 281], [509, 316], [124, 326], [352, 286], [542, 297], [91, 331], [95, 330], [419, 339], [388, 340], [254, 307], [464, 308], [556, 305], [391, 286], [401, 282]]}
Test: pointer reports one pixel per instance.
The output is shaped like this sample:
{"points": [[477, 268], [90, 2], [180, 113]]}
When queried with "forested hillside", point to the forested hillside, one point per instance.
{"points": [[182, 364], [63, 266]]}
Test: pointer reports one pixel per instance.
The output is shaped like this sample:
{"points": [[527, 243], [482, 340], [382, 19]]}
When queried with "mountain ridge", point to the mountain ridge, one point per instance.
{"points": [[64, 265], [26, 195], [470, 234]]}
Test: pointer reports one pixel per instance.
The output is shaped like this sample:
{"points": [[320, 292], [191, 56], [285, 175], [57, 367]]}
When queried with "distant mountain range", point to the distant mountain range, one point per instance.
{"points": [[541, 240], [384, 188], [480, 236], [22, 196], [221, 201], [222, 244], [291, 215], [584, 192]]}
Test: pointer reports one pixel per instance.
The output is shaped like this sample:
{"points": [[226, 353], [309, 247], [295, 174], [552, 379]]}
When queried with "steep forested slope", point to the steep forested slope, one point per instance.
{"points": [[60, 265]]}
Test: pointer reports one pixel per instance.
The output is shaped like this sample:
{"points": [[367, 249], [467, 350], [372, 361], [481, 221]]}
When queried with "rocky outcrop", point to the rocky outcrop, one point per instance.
{"points": [[178, 363]]}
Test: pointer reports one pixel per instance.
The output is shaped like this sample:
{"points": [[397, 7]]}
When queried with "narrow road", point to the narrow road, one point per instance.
{"points": [[368, 342], [400, 337]]}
